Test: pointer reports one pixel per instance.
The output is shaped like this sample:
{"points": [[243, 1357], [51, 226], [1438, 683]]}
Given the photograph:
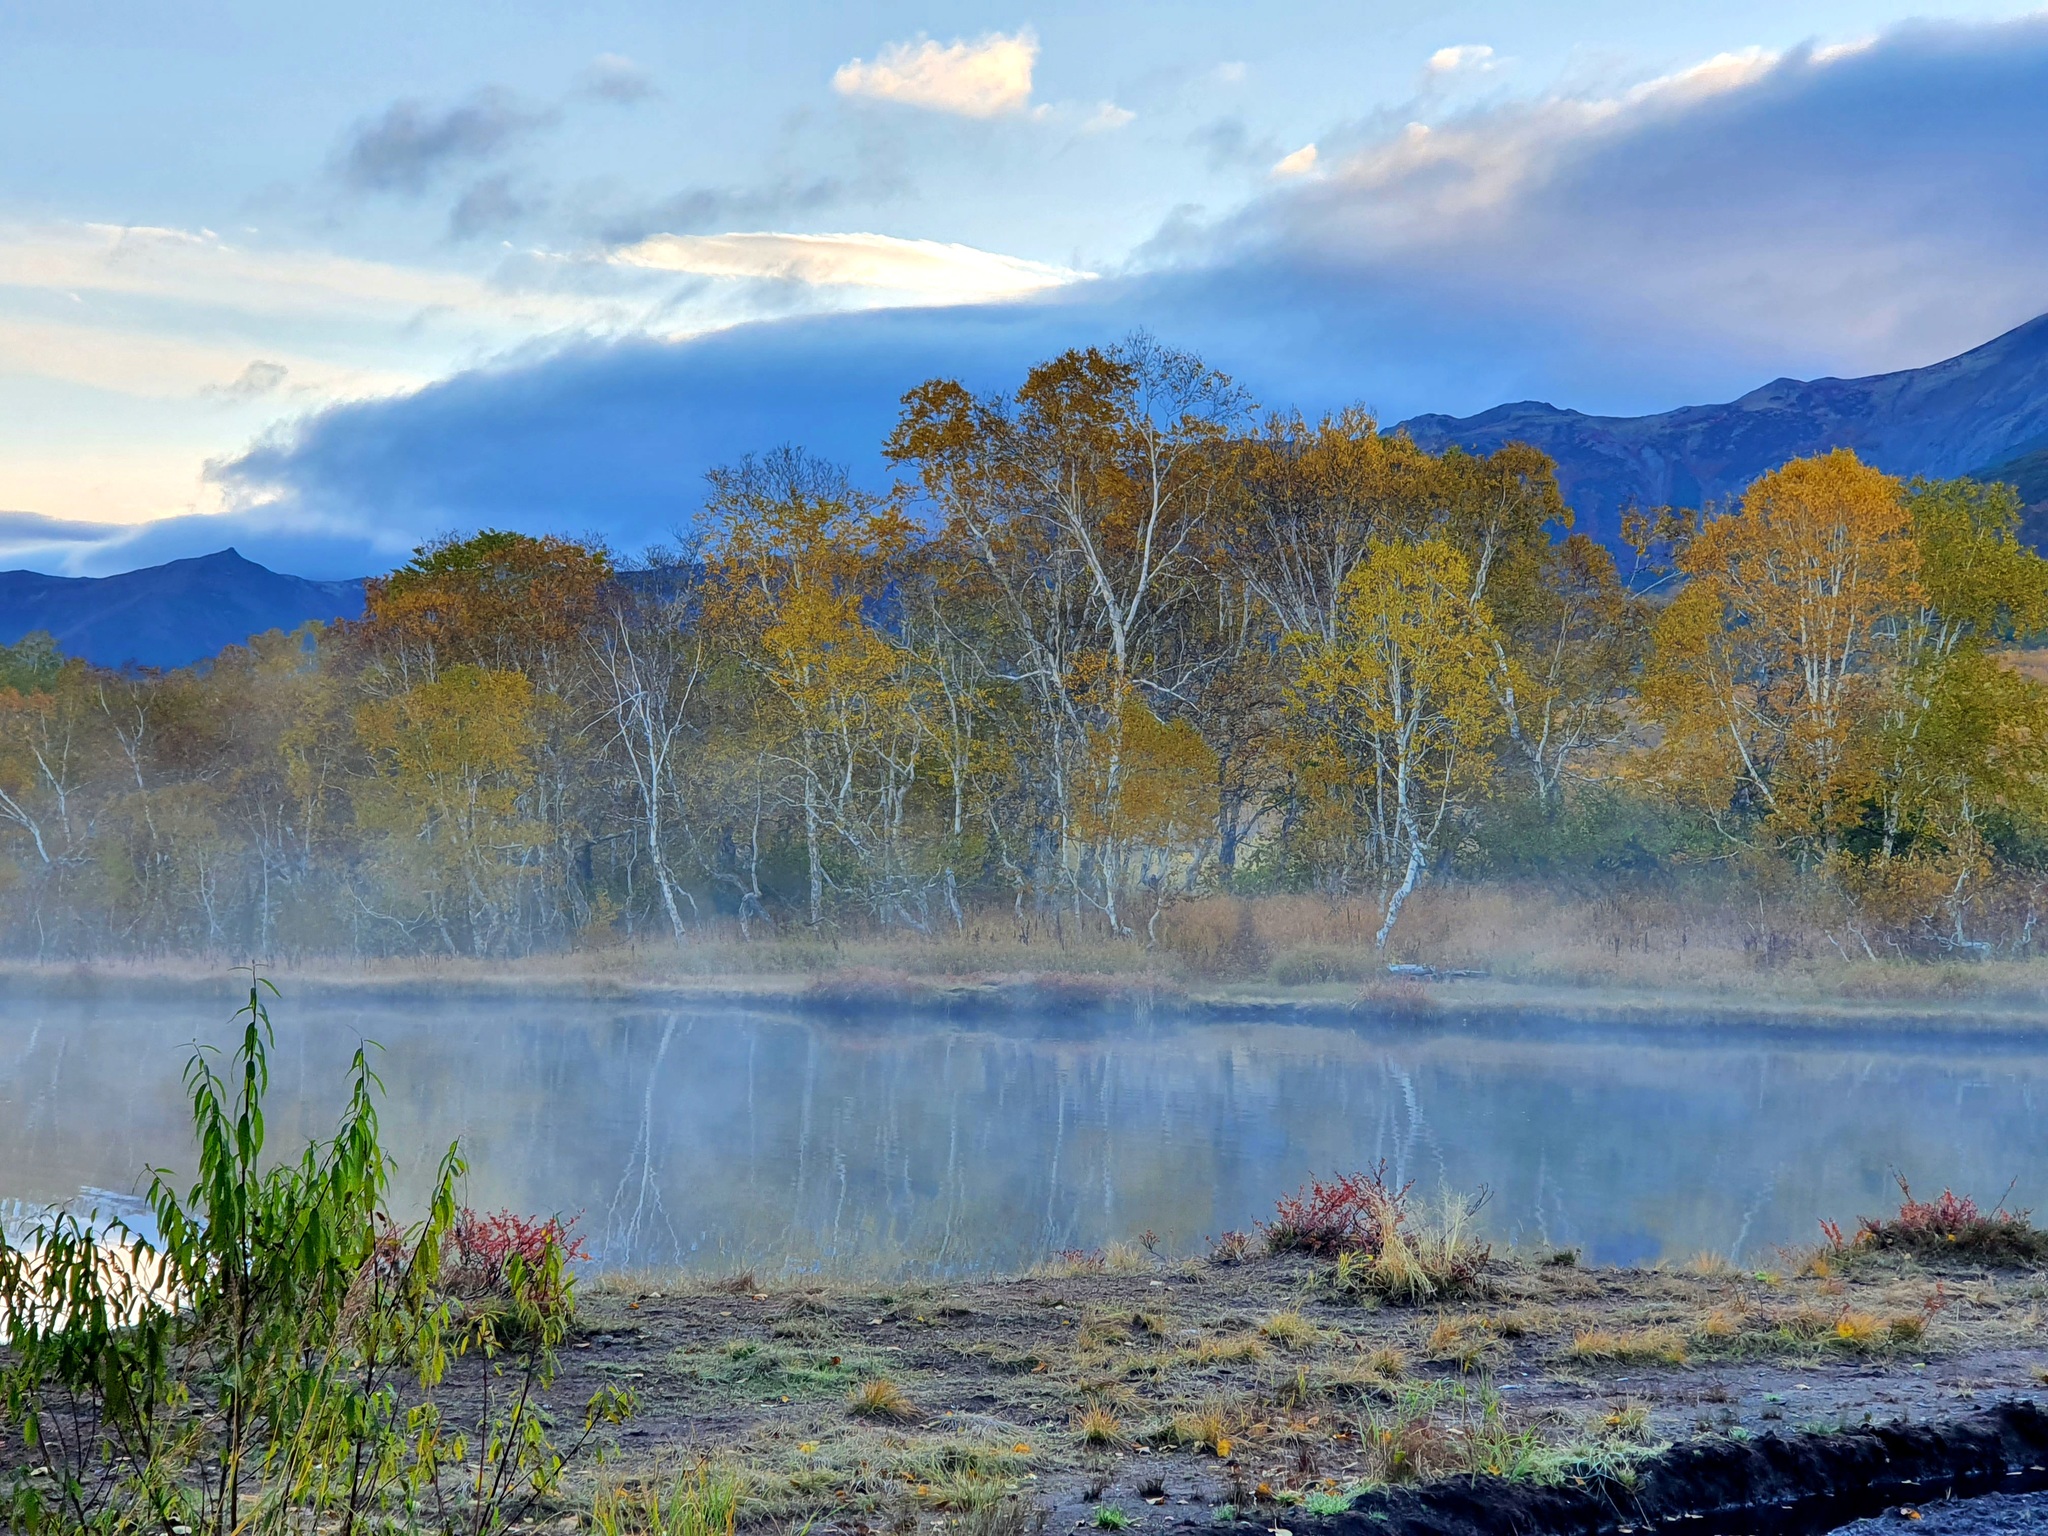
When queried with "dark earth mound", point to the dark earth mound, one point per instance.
{"points": [[1785, 1485]]}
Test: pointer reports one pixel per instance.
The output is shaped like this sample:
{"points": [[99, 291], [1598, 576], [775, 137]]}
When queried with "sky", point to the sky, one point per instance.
{"points": [[323, 282]]}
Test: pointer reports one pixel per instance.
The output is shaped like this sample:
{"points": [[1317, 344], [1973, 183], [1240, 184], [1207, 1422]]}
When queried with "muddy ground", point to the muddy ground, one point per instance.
{"points": [[1169, 1396]]}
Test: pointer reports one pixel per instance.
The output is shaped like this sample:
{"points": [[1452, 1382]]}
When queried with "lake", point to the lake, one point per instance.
{"points": [[716, 1137]]}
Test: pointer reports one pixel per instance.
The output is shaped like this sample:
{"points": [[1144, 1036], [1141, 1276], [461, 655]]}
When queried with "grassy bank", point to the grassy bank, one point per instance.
{"points": [[1696, 952], [1112, 1390]]}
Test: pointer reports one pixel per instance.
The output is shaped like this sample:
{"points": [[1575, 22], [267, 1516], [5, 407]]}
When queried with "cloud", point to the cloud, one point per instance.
{"points": [[410, 144], [1683, 240], [18, 528], [488, 207], [928, 270], [709, 208], [1300, 163], [1463, 56], [615, 78], [985, 78], [1841, 210], [1228, 144], [262, 377], [1107, 116]]}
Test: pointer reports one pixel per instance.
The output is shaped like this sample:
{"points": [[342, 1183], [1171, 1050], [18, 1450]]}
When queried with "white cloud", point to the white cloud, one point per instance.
{"points": [[1474, 56], [1300, 163], [927, 271], [988, 77], [1843, 209], [1106, 117]]}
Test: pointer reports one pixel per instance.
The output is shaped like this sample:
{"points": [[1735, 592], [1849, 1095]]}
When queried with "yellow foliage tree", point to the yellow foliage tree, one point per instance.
{"points": [[1150, 799], [452, 761], [798, 555], [1397, 713], [1767, 666]]}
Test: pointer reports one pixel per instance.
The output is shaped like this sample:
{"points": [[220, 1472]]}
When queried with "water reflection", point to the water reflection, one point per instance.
{"points": [[715, 1136]]}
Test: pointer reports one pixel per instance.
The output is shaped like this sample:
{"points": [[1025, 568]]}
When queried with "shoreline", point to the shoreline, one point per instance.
{"points": [[865, 991]]}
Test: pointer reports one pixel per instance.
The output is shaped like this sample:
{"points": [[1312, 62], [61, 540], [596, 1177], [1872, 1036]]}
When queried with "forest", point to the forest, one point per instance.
{"points": [[1112, 641]]}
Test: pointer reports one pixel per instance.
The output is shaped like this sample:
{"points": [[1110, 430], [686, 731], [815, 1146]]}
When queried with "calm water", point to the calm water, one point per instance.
{"points": [[715, 1136]]}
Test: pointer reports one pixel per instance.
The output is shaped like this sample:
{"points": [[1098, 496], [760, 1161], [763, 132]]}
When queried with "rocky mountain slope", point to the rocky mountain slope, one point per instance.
{"points": [[1983, 413]]}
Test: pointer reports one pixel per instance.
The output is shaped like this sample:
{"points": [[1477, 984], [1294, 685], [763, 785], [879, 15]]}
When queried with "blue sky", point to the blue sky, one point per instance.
{"points": [[324, 281]]}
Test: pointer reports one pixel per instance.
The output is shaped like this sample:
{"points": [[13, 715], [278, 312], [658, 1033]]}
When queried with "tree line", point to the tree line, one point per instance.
{"points": [[1110, 640]]}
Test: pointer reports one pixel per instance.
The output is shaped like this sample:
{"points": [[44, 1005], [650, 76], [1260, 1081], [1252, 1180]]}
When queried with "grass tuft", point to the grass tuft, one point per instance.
{"points": [[1630, 1346], [1098, 1425], [1290, 1330], [880, 1398], [703, 1502]]}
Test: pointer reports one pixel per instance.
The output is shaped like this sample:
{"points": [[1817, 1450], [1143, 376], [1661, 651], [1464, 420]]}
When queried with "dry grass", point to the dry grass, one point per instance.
{"points": [[1629, 1346], [880, 1398], [1290, 1330], [1100, 1426], [1387, 1363], [1227, 1349], [1708, 937], [1207, 1428], [1459, 1341]]}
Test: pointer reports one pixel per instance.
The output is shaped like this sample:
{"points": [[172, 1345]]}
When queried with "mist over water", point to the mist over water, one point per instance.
{"points": [[713, 1136]]}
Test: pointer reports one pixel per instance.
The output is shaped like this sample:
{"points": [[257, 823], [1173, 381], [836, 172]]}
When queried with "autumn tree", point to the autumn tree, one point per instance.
{"points": [[1081, 498], [1768, 665], [647, 665], [451, 765], [1397, 712], [798, 558]]}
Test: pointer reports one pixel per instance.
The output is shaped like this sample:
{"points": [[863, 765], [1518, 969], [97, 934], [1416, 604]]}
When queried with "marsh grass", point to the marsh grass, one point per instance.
{"points": [[1208, 1427], [1290, 1330], [880, 1398], [1098, 1425], [1629, 1346], [960, 1475], [706, 1501]]}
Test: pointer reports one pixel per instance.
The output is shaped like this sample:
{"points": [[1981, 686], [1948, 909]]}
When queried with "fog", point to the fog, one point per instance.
{"points": [[713, 1136]]}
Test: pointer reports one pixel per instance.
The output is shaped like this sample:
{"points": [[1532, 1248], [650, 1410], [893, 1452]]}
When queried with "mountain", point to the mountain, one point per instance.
{"points": [[167, 615], [1984, 413]]}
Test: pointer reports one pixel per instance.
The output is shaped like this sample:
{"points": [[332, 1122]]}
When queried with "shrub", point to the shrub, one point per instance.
{"points": [[478, 1251], [1352, 1213], [1231, 1248], [278, 1355], [1953, 1225]]}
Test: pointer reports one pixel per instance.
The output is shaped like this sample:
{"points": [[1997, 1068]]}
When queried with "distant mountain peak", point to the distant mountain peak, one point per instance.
{"points": [[1979, 412], [168, 615]]}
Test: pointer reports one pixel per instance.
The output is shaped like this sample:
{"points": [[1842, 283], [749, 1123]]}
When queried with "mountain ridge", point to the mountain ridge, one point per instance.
{"points": [[1977, 413], [168, 615]]}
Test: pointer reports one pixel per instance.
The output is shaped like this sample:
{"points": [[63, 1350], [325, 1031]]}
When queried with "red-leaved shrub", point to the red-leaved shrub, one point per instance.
{"points": [[1954, 1225], [1353, 1213], [479, 1248]]}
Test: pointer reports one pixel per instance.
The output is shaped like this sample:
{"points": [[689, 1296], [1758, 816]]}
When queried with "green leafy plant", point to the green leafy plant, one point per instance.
{"points": [[272, 1359]]}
